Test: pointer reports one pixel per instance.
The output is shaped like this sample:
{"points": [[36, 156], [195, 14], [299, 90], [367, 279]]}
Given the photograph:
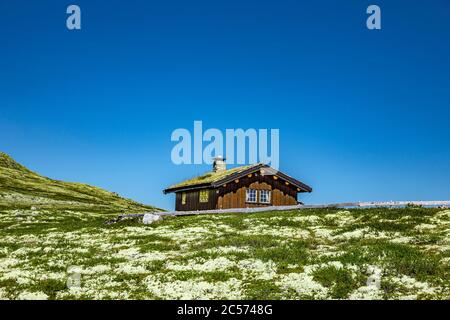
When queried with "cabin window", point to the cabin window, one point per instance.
{"points": [[264, 196], [204, 195], [251, 195], [183, 198]]}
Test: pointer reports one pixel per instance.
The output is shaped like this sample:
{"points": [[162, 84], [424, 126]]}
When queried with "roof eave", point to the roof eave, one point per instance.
{"points": [[295, 182], [186, 188]]}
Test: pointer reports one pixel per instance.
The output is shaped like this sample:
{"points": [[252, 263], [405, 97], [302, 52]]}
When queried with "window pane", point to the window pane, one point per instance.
{"points": [[251, 195], [204, 196], [183, 198], [264, 196]]}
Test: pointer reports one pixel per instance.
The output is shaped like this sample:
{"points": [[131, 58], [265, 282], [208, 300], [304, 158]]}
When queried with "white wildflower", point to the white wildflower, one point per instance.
{"points": [[131, 269], [309, 219], [303, 284], [32, 296], [414, 286], [366, 293], [258, 268], [358, 233], [194, 289], [227, 249], [219, 263], [425, 226]]}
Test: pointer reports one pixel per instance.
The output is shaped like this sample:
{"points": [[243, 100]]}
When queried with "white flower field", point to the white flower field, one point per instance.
{"points": [[304, 254]]}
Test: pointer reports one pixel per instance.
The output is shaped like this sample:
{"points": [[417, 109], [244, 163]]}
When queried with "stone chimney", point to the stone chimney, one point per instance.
{"points": [[219, 164]]}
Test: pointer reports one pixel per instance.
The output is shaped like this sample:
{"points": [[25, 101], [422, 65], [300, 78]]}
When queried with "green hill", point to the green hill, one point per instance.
{"points": [[21, 188]]}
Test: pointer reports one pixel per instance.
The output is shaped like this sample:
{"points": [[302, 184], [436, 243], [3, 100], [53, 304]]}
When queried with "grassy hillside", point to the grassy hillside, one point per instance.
{"points": [[22, 189], [303, 254]]}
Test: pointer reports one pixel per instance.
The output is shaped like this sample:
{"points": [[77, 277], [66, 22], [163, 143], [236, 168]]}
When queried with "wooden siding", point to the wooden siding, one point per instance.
{"points": [[233, 195], [193, 203]]}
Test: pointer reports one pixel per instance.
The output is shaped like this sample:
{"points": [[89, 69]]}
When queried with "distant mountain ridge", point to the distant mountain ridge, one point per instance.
{"points": [[21, 188]]}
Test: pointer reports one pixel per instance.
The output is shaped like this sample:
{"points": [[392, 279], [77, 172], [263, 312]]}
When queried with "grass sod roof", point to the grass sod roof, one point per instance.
{"points": [[215, 178], [210, 177]]}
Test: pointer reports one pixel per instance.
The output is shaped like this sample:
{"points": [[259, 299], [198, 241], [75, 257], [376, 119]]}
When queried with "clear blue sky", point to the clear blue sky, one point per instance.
{"points": [[363, 115]]}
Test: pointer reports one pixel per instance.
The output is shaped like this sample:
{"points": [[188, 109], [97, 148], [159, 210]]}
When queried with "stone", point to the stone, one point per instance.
{"points": [[150, 218]]}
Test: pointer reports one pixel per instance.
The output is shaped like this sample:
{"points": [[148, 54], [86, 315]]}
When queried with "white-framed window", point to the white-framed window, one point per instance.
{"points": [[251, 195], [183, 198], [204, 196], [264, 196]]}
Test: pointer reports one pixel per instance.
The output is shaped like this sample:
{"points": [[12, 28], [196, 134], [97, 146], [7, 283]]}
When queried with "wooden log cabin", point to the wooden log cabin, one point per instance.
{"points": [[242, 187]]}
